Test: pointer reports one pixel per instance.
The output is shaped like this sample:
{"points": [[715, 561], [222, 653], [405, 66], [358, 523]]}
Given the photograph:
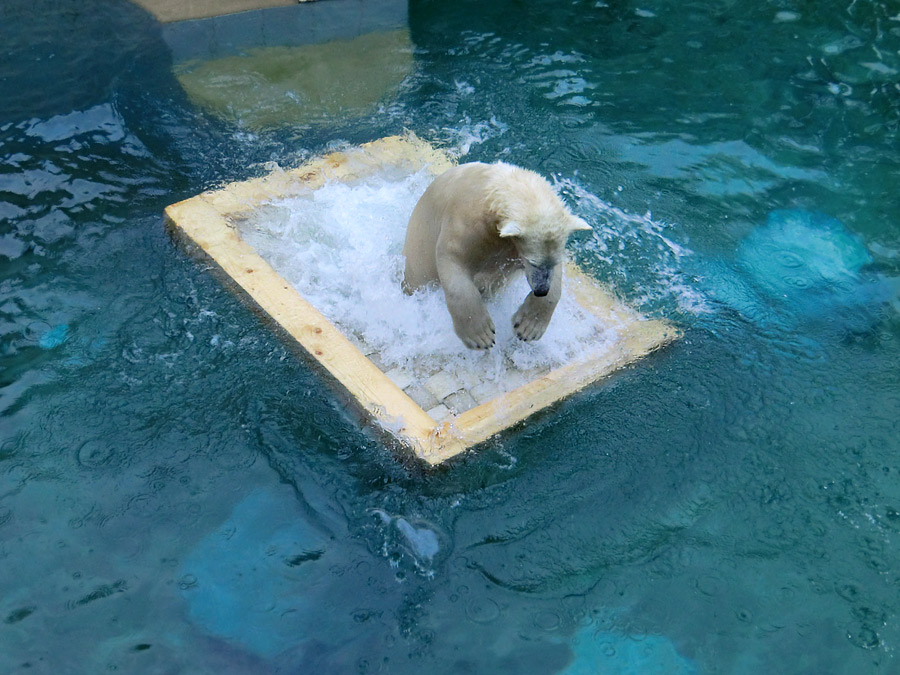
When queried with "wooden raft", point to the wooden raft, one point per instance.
{"points": [[208, 220]]}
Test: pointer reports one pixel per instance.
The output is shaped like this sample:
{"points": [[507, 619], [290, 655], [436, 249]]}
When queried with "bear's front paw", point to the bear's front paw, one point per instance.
{"points": [[530, 326], [477, 334]]}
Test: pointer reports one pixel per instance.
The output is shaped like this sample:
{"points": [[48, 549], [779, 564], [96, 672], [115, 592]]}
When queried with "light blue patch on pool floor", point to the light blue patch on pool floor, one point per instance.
{"points": [[54, 337], [801, 265], [600, 652], [798, 251], [253, 580]]}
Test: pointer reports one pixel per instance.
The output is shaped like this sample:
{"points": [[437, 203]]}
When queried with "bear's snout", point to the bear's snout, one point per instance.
{"points": [[539, 279]]}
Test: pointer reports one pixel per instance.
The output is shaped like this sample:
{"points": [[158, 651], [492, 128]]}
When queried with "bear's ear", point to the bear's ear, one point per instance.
{"points": [[576, 224], [510, 229]]}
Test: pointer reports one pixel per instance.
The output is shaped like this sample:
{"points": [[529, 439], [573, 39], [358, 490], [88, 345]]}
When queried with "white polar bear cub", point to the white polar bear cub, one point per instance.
{"points": [[477, 223]]}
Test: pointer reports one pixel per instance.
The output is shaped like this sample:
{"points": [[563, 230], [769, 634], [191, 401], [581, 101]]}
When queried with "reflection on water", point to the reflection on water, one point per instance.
{"points": [[728, 506], [268, 87]]}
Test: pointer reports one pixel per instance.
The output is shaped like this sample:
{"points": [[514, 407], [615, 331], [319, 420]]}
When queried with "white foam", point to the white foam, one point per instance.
{"points": [[459, 139], [340, 247]]}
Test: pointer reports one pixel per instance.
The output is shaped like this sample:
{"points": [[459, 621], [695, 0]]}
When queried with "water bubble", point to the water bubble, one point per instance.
{"points": [[482, 610], [840, 89], [864, 637], [797, 282], [548, 621], [186, 582], [789, 259], [94, 453]]}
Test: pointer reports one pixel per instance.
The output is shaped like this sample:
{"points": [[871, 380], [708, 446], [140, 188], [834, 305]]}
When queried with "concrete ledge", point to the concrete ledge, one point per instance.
{"points": [[283, 64], [279, 24], [179, 10]]}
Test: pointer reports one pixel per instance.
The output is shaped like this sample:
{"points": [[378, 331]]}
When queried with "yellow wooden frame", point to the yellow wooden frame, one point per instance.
{"points": [[205, 221]]}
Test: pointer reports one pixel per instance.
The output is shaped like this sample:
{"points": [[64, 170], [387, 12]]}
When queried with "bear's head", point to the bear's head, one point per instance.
{"points": [[540, 242]]}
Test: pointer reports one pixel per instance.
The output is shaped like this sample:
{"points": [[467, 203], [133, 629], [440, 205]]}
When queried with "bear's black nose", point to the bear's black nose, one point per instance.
{"points": [[539, 279]]}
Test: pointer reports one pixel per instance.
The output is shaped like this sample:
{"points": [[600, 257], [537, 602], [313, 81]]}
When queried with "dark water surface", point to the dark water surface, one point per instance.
{"points": [[179, 493]]}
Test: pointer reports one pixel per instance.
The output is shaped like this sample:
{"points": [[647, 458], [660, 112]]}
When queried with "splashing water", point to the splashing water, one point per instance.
{"points": [[341, 248], [463, 137], [635, 247], [410, 540]]}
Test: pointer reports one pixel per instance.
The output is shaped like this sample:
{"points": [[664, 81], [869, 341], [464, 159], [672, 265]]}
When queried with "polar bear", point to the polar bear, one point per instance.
{"points": [[473, 226]]}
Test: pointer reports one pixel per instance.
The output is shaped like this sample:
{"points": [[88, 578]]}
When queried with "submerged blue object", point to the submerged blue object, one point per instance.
{"points": [[799, 250], [799, 266], [612, 653], [424, 542], [251, 580], [54, 337]]}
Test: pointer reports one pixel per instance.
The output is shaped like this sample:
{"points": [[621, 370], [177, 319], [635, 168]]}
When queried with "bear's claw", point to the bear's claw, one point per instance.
{"points": [[481, 336], [529, 327]]}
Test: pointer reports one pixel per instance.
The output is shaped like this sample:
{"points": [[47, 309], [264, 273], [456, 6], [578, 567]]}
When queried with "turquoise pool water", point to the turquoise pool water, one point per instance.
{"points": [[179, 493]]}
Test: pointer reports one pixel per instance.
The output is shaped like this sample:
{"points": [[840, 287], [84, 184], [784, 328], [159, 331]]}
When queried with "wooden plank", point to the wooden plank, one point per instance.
{"points": [[205, 221]]}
